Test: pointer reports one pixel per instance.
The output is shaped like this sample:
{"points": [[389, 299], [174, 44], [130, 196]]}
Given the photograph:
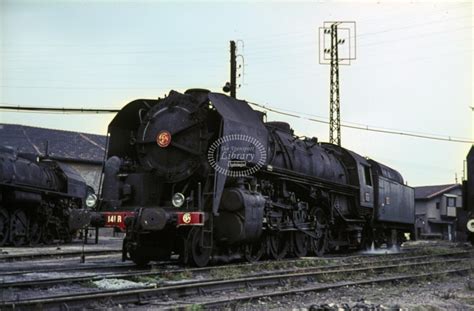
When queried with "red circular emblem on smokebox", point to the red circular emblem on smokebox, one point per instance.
{"points": [[163, 139]]}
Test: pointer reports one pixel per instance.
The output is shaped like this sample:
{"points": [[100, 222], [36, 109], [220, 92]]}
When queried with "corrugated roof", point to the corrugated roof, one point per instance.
{"points": [[428, 192], [73, 146]]}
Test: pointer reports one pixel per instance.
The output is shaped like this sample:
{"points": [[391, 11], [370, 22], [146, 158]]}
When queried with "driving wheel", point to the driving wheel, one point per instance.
{"points": [[277, 245], [300, 244], [18, 227], [321, 225], [254, 251]]}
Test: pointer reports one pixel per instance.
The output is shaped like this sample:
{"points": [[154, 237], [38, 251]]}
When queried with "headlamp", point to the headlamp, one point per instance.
{"points": [[470, 225], [178, 199], [91, 200]]}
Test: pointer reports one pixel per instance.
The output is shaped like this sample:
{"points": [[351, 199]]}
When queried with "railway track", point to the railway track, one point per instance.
{"points": [[57, 255], [114, 271], [54, 266], [93, 267], [236, 298], [197, 286], [95, 253]]}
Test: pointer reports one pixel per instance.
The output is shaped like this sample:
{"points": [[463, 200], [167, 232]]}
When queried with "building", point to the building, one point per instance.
{"points": [[437, 209], [84, 152]]}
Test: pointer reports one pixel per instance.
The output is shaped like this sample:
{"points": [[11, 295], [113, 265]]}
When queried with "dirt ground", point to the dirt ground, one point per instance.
{"points": [[447, 293], [443, 293], [106, 242]]}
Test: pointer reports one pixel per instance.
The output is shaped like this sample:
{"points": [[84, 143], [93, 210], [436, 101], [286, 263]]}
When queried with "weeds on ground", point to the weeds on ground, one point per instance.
{"points": [[229, 273], [432, 251], [299, 263], [307, 263], [194, 307], [270, 265], [170, 276]]}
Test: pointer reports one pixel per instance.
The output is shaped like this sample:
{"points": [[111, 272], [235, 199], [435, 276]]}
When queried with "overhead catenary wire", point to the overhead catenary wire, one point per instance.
{"points": [[277, 58], [298, 71], [57, 109], [297, 115], [367, 127], [105, 88], [207, 47]]}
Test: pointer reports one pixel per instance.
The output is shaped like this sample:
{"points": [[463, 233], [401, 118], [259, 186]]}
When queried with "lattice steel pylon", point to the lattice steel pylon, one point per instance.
{"points": [[334, 60], [334, 101]]}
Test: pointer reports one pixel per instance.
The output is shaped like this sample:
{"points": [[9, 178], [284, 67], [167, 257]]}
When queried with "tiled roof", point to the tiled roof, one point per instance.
{"points": [[428, 192], [67, 145]]}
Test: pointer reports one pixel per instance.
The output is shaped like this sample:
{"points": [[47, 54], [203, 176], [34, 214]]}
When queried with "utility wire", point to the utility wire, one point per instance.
{"points": [[106, 88], [367, 128], [53, 109], [211, 49], [297, 115]]}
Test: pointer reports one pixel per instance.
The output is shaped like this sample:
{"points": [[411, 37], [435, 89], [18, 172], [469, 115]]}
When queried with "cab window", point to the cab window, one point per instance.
{"points": [[367, 175]]}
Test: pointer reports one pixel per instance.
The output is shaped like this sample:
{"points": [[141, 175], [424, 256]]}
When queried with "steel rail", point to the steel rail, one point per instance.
{"points": [[104, 266], [226, 302], [25, 257], [137, 273], [187, 288], [68, 254], [90, 266]]}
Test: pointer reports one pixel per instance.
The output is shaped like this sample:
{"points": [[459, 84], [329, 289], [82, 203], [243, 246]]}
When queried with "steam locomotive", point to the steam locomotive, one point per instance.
{"points": [[201, 174], [41, 200], [468, 195]]}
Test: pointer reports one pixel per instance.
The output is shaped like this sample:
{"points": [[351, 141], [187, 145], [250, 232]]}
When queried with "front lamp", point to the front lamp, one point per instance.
{"points": [[470, 225], [178, 199], [91, 200]]}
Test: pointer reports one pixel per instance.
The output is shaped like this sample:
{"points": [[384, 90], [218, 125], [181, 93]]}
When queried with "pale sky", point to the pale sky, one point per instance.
{"points": [[413, 70]]}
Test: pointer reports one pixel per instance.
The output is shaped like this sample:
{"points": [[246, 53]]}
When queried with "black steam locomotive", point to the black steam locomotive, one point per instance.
{"points": [[201, 174], [41, 200], [468, 195]]}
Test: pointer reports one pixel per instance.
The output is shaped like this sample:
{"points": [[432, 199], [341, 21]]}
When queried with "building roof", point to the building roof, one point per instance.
{"points": [[62, 145], [429, 192]]}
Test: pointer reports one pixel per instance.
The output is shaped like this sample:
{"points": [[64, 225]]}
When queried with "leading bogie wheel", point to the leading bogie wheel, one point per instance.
{"points": [[139, 258], [254, 251], [198, 248], [319, 242]]}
